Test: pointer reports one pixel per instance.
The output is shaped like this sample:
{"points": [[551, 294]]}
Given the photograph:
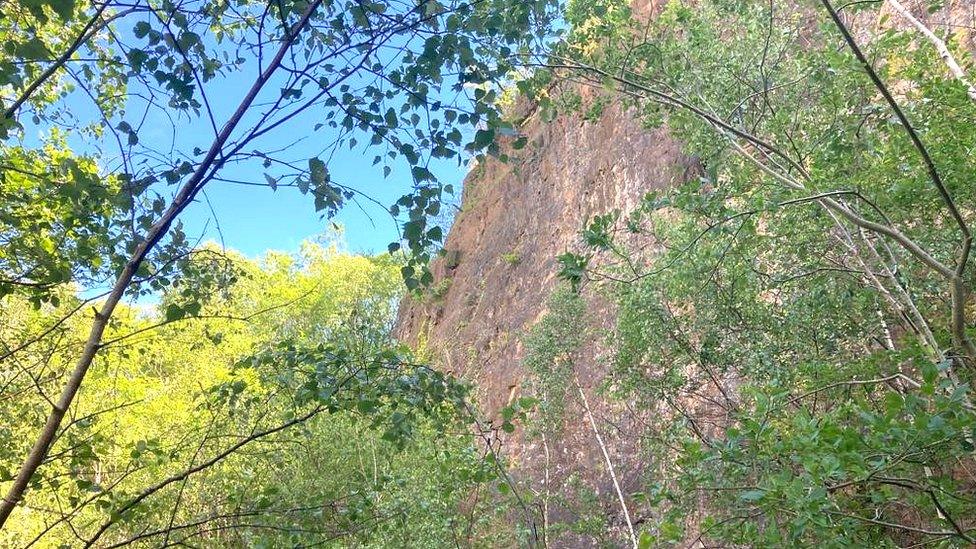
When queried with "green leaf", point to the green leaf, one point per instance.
{"points": [[421, 174], [141, 29], [174, 312], [33, 50], [752, 495], [366, 406], [573, 268], [319, 173], [483, 138], [137, 59], [64, 8], [391, 118], [188, 40], [291, 93]]}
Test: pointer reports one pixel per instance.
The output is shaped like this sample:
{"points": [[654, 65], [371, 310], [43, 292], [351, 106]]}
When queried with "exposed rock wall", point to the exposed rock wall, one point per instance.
{"points": [[500, 268], [516, 217]]}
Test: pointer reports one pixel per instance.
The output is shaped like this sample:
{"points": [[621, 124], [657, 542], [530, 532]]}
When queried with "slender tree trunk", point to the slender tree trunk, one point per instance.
{"points": [[182, 199], [610, 468], [940, 46]]}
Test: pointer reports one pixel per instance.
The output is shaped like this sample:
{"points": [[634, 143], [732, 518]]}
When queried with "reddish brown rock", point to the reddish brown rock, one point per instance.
{"points": [[499, 268], [516, 217]]}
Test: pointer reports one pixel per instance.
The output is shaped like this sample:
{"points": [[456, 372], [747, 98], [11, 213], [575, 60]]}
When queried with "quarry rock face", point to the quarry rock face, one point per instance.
{"points": [[499, 263], [499, 268]]}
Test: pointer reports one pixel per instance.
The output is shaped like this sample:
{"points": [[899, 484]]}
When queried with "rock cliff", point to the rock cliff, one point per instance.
{"points": [[499, 269]]}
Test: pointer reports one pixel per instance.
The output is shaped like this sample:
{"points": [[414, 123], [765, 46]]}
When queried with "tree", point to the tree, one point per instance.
{"points": [[803, 334], [111, 73], [280, 412]]}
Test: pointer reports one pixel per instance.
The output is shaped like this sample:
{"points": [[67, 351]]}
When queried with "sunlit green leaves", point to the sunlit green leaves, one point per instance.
{"points": [[64, 8], [306, 331], [56, 218], [573, 268], [746, 302]]}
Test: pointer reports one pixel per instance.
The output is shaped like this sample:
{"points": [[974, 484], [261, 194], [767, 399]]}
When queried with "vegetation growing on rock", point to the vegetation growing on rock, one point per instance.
{"points": [[764, 339]]}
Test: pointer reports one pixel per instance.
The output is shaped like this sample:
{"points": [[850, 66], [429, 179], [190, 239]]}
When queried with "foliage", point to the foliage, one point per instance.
{"points": [[118, 116], [550, 356], [512, 258], [162, 60], [338, 435], [436, 292], [55, 235], [799, 344]]}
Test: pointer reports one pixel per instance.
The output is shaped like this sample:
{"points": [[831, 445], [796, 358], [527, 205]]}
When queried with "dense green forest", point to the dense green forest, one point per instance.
{"points": [[790, 323]]}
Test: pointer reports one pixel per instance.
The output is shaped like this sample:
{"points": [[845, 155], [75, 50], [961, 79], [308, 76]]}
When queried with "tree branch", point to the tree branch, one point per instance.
{"points": [[155, 233]]}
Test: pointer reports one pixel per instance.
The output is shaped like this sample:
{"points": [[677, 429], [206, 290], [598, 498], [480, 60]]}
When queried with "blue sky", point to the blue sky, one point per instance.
{"points": [[254, 219]]}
